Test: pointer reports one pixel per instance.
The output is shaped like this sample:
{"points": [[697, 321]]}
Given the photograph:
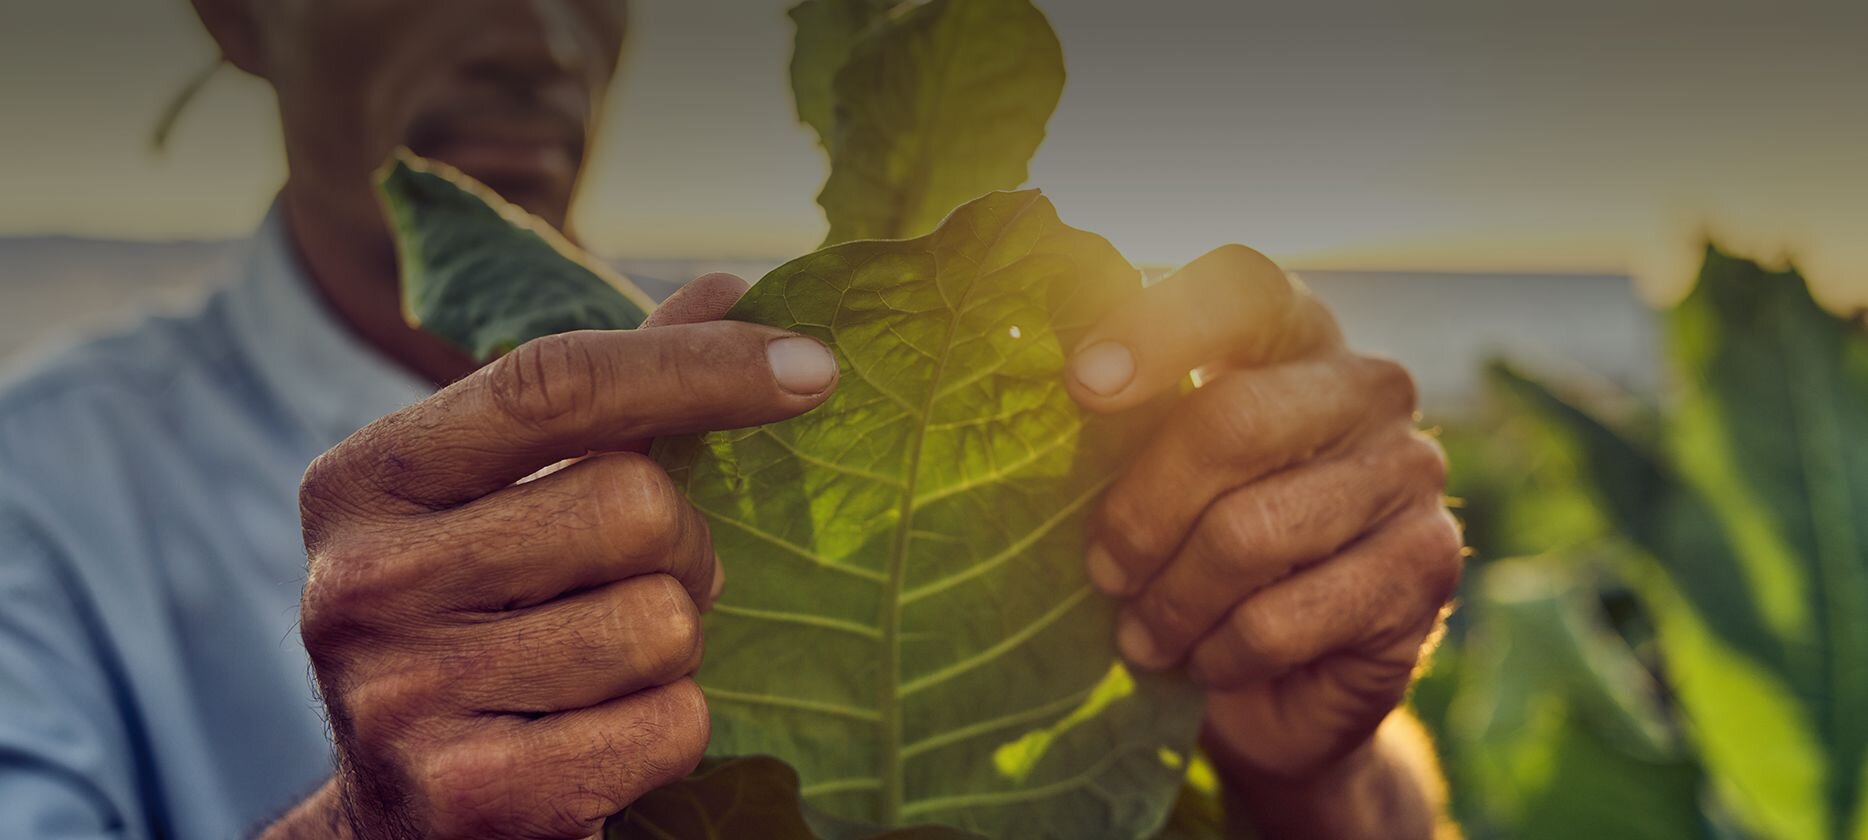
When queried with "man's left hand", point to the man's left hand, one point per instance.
{"points": [[1284, 536]]}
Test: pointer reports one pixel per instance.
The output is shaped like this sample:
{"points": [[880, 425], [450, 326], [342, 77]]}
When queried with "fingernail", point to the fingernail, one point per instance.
{"points": [[1137, 644], [719, 580], [1105, 572], [801, 365], [1104, 367]]}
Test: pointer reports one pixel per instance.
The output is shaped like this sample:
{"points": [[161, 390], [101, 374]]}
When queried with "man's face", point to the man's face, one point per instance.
{"points": [[506, 90]]}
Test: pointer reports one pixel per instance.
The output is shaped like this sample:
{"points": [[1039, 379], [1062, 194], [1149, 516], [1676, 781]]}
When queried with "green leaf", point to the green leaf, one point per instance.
{"points": [[942, 103], [908, 601], [1557, 729], [754, 796], [1198, 815], [743, 797], [1773, 431], [1861, 809], [1751, 734], [1755, 524], [1649, 503], [827, 30], [487, 276]]}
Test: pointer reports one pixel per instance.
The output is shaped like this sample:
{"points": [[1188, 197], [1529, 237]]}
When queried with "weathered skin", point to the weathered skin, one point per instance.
{"points": [[1283, 537]]}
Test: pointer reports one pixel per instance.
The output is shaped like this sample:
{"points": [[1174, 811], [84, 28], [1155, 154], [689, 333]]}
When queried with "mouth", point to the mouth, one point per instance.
{"points": [[522, 157]]}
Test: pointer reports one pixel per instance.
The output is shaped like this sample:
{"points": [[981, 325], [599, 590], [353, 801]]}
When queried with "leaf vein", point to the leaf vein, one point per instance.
{"points": [[1010, 552], [1001, 648], [806, 619], [745, 698], [800, 551]]}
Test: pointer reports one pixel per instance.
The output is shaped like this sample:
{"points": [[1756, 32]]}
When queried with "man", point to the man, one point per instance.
{"points": [[507, 658]]}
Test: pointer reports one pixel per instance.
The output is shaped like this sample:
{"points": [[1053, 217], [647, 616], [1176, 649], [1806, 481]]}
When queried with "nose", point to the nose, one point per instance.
{"points": [[559, 24], [531, 41]]}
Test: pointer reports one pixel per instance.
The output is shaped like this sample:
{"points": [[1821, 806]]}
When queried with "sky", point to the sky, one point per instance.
{"points": [[1554, 135]]}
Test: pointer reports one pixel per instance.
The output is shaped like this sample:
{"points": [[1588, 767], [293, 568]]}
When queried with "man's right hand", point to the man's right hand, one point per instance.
{"points": [[508, 658]]}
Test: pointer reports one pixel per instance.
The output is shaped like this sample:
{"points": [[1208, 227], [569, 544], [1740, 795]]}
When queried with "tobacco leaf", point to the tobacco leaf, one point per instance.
{"points": [[488, 276], [746, 797], [826, 32], [909, 624], [941, 103], [1755, 550]]}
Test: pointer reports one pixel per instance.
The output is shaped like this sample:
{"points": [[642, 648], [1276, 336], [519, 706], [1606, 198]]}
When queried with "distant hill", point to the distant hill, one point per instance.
{"points": [[1442, 325]]}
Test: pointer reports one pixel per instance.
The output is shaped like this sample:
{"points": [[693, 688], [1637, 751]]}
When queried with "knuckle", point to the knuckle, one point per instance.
{"points": [[1170, 615], [1235, 416], [689, 642], [380, 710], [1246, 281], [684, 708], [329, 490], [1389, 382], [1267, 638], [465, 789], [580, 811], [1425, 460], [666, 627], [664, 741], [636, 497], [1129, 525], [321, 624], [1440, 554], [348, 579], [1254, 275], [1252, 523], [336, 588], [545, 380], [316, 490]]}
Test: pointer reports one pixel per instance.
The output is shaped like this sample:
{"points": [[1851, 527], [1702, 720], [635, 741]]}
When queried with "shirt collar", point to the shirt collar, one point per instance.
{"points": [[322, 373]]}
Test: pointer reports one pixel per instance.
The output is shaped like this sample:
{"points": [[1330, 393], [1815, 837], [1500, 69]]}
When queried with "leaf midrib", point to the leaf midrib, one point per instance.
{"points": [[911, 193], [1835, 548], [889, 697]]}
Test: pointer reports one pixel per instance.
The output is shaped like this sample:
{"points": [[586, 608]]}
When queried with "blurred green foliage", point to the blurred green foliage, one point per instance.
{"points": [[1665, 632]]}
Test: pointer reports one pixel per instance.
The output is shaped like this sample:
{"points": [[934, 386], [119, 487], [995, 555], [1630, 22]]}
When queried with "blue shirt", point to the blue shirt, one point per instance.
{"points": [[152, 682]]}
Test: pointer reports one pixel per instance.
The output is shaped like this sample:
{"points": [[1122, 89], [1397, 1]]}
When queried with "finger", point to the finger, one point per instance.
{"points": [[1260, 533], [597, 521], [602, 519], [1377, 594], [562, 396], [562, 775], [1242, 426], [708, 298], [1232, 305], [579, 651]]}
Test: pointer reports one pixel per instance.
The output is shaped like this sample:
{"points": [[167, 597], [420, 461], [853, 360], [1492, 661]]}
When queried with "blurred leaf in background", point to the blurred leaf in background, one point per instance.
{"points": [[1557, 730], [1753, 565]]}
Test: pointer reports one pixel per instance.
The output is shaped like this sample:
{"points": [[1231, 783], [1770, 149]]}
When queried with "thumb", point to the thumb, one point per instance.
{"points": [[706, 299]]}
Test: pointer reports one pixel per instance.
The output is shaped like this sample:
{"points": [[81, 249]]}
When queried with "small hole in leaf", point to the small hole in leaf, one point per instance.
{"points": [[1015, 332]]}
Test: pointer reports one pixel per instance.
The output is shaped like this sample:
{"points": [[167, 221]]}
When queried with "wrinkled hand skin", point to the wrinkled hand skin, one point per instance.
{"points": [[503, 657], [1283, 537]]}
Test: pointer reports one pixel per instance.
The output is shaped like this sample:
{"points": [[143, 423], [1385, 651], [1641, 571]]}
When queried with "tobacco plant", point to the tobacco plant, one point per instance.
{"points": [[910, 629]]}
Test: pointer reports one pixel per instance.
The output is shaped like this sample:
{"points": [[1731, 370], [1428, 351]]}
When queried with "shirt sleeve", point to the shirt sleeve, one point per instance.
{"points": [[66, 755]]}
